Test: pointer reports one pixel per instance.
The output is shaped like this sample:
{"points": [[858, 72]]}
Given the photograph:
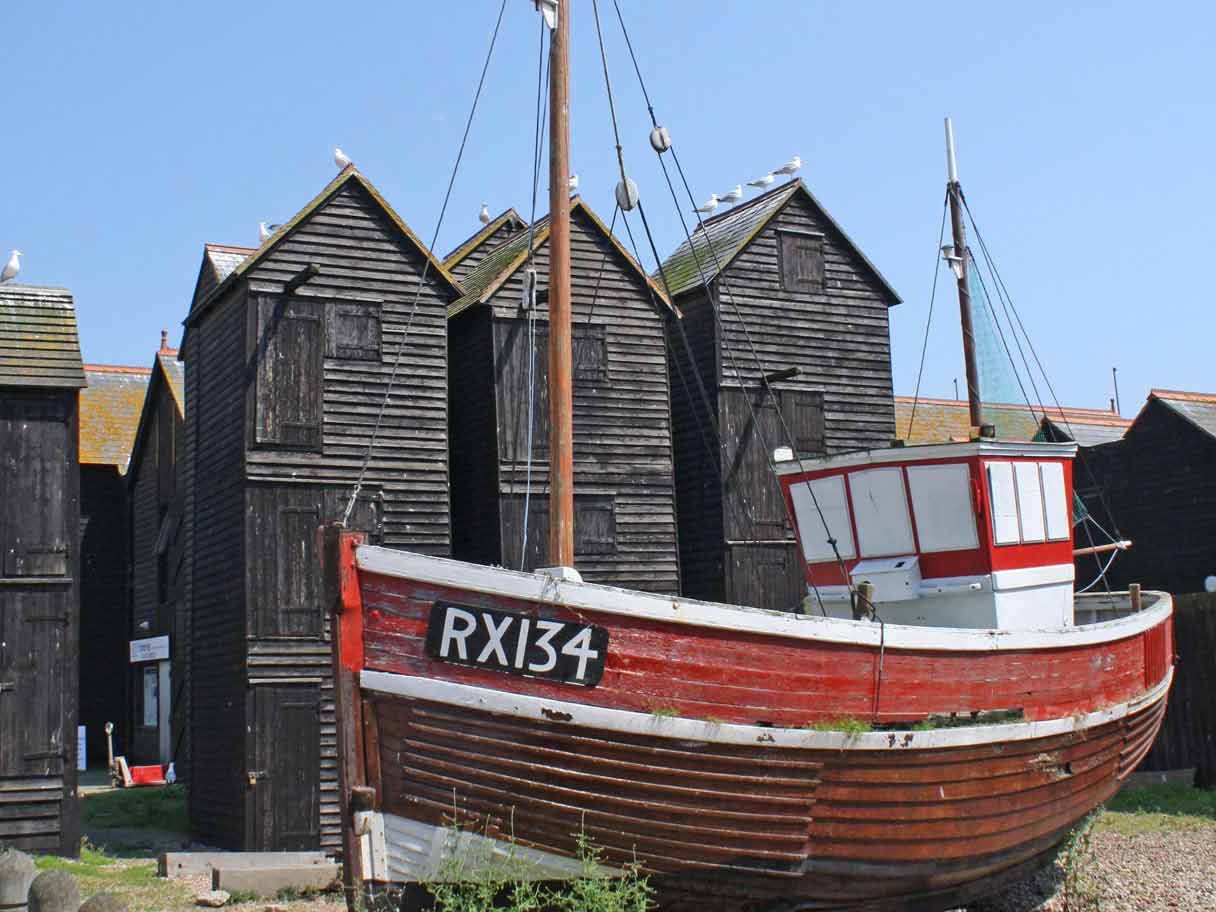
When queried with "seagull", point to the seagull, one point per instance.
{"points": [[12, 267], [762, 182], [573, 182], [341, 159], [484, 214], [732, 196], [710, 205], [790, 166]]}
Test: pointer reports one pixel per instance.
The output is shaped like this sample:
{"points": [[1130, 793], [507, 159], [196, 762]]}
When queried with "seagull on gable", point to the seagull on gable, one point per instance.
{"points": [[341, 159], [762, 182], [709, 206], [732, 196], [484, 214], [12, 267], [265, 231], [790, 166]]}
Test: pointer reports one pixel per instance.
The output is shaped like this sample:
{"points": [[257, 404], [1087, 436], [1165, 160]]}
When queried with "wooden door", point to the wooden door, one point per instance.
{"points": [[33, 708], [287, 767]]}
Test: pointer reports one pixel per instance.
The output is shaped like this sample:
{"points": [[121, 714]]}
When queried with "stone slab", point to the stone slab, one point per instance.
{"points": [[268, 881], [187, 864]]}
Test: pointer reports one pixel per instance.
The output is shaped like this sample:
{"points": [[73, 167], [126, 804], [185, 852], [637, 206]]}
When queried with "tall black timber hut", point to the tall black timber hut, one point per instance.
{"points": [[464, 259], [286, 368], [156, 566], [624, 501], [772, 288], [41, 375], [109, 413]]}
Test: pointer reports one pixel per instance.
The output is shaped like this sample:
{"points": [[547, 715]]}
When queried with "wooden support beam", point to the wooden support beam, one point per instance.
{"points": [[788, 373], [309, 272]]}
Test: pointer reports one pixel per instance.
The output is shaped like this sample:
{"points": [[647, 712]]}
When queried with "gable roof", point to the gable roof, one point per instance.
{"points": [[505, 259], [166, 371], [109, 413], [349, 174], [39, 342], [486, 232], [1085, 431], [939, 420], [727, 235], [1197, 408]]}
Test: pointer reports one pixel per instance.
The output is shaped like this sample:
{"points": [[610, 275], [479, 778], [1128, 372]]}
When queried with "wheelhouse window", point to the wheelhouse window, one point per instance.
{"points": [[828, 493], [941, 500], [880, 509], [1028, 502]]}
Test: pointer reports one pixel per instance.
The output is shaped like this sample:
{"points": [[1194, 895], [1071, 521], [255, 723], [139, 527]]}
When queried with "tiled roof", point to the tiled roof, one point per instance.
{"points": [[502, 262], [109, 413], [225, 258], [949, 419], [486, 231], [1089, 431], [727, 235], [39, 344], [1197, 408]]}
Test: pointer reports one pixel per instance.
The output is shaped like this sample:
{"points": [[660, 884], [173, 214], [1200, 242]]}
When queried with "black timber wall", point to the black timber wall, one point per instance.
{"points": [[1158, 487], [473, 428], [103, 607], [215, 389], [839, 340], [39, 619], [623, 478], [504, 231]]}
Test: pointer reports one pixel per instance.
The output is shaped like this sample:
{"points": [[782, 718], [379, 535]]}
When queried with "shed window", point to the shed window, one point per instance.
{"points": [[880, 509], [941, 500], [589, 352], [595, 524], [830, 496], [801, 261], [289, 352], [353, 332]]}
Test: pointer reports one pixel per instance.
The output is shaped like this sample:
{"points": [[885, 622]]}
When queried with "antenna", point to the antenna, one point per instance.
{"points": [[1114, 372], [951, 164]]}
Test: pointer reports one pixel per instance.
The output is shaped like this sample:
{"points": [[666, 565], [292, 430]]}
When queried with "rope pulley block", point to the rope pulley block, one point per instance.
{"points": [[660, 139], [528, 295], [627, 194]]}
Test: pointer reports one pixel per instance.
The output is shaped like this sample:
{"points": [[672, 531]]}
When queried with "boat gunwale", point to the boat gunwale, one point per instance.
{"points": [[545, 589], [583, 715]]}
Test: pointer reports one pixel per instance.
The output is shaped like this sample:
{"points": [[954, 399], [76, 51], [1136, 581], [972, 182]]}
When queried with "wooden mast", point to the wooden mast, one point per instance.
{"points": [[959, 264], [561, 397]]}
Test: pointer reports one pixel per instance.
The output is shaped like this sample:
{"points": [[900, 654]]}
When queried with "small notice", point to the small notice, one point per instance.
{"points": [[518, 644], [152, 649], [82, 758]]}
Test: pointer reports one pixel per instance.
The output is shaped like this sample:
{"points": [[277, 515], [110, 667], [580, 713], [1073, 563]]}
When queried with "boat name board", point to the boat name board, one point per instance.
{"points": [[518, 644]]}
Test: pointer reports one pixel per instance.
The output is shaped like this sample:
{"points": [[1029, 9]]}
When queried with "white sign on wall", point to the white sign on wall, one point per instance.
{"points": [[153, 649], [82, 759]]}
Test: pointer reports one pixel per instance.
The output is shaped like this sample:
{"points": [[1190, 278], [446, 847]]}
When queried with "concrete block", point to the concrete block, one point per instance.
{"points": [[267, 881], [188, 864]]}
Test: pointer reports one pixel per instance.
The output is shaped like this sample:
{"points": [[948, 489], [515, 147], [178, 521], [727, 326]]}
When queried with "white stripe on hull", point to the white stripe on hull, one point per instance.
{"points": [[581, 715]]}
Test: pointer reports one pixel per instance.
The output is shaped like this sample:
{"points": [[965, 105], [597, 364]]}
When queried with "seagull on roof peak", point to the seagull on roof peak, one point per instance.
{"points": [[341, 159], [573, 183], [732, 196], [484, 214], [762, 182], [12, 267], [790, 166], [709, 206]]}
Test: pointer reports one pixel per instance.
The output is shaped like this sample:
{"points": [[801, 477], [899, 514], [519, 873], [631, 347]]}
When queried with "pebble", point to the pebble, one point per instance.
{"points": [[213, 899]]}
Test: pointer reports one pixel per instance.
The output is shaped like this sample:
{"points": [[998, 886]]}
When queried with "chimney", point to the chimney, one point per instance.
{"points": [[164, 340]]}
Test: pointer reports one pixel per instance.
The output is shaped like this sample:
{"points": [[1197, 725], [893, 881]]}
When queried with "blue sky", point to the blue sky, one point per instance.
{"points": [[135, 132]]}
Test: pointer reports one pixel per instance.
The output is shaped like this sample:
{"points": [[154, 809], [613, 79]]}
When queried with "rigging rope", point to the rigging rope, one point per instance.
{"points": [[937, 268], [767, 387], [425, 270]]}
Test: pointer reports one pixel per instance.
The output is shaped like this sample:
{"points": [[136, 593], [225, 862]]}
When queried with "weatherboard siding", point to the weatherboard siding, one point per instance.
{"points": [[623, 478], [470, 260]]}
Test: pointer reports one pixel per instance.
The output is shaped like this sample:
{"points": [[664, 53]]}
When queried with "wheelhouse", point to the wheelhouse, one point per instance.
{"points": [[962, 535]]}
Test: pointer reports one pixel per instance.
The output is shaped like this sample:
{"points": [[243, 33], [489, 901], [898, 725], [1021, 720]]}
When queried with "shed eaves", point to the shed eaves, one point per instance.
{"points": [[727, 235], [109, 413], [39, 342]]}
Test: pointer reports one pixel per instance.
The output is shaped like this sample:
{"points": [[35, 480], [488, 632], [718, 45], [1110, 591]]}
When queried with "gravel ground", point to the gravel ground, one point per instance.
{"points": [[1132, 863]]}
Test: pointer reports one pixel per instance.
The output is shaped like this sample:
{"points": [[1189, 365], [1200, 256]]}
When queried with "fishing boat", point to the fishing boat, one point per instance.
{"points": [[931, 724]]}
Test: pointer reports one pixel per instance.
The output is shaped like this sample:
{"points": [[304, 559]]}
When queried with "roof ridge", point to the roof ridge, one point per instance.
{"points": [[236, 248], [742, 207], [1183, 395], [117, 369]]}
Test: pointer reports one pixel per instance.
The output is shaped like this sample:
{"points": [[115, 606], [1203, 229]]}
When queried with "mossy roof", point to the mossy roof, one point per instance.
{"points": [[727, 235]]}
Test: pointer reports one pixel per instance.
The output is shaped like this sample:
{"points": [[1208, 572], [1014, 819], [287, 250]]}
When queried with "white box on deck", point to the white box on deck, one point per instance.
{"points": [[895, 579]]}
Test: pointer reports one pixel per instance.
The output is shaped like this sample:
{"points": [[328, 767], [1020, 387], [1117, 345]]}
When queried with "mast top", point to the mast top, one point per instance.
{"points": [[951, 165]]}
